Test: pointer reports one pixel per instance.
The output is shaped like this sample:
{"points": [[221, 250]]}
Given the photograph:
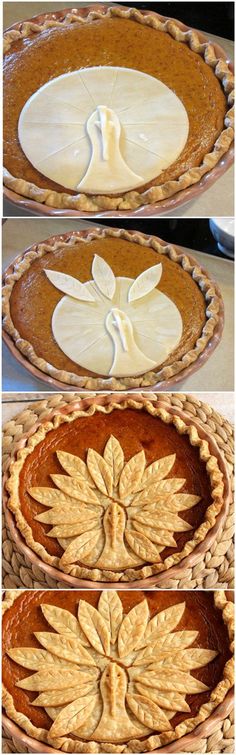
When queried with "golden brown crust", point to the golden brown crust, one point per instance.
{"points": [[95, 574], [212, 303], [133, 199], [151, 742]]}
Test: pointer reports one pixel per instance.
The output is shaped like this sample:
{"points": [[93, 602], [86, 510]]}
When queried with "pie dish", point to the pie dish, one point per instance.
{"points": [[92, 139], [136, 311], [115, 673], [117, 491]]}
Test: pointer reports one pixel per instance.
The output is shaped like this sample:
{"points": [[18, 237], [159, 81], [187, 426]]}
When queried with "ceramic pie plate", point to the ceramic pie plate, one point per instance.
{"points": [[158, 579], [162, 385], [161, 207], [116, 643]]}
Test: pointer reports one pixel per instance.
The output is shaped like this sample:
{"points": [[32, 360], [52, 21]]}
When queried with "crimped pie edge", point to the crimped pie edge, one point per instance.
{"points": [[96, 574], [133, 199], [206, 285], [151, 742]]}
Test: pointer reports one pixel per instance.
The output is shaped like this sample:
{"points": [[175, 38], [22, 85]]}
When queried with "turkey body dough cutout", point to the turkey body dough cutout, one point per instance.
{"points": [[103, 129], [115, 326]]}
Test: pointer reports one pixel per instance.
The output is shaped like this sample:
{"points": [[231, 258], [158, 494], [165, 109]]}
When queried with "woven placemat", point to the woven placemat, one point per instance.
{"points": [[216, 570]]}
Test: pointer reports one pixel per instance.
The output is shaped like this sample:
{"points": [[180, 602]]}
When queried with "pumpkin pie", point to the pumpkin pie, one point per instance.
{"points": [[116, 491], [111, 108], [115, 672], [110, 308]]}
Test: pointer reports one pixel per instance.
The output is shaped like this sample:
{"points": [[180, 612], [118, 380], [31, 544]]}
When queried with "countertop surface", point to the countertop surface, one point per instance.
{"points": [[217, 200], [215, 375], [13, 405]]}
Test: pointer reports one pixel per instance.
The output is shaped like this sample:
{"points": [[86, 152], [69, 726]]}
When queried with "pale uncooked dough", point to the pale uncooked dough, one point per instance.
{"points": [[103, 129]]}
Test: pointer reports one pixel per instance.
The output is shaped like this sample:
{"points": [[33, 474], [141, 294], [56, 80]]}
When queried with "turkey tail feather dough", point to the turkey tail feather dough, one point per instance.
{"points": [[115, 326]]}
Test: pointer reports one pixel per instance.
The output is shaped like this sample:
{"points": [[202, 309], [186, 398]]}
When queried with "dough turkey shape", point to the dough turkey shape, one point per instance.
{"points": [[116, 326]]}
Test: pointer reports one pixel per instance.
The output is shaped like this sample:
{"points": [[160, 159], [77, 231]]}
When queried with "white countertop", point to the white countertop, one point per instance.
{"points": [[215, 375], [12, 405], [217, 200]]}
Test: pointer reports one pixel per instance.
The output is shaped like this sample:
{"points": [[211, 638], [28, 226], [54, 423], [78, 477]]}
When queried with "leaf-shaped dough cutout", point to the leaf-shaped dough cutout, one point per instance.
{"points": [[148, 712], [164, 622], [30, 658], [170, 522], [82, 547], [167, 681], [103, 276], [72, 530], [51, 497], [94, 627], [114, 457], [175, 503], [110, 608], [100, 472], [76, 489], [167, 700], [143, 547], [161, 488], [65, 647], [185, 660], [158, 470], [145, 282], [54, 678], [75, 467], [61, 620], [133, 628], [161, 537], [166, 644], [131, 475], [69, 285], [73, 716], [71, 515], [63, 696]]}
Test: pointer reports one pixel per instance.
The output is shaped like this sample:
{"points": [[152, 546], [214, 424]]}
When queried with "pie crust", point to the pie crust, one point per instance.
{"points": [[124, 543], [190, 351], [123, 656], [130, 200]]}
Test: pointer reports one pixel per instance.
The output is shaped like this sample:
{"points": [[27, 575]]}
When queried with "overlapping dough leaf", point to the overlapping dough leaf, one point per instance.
{"points": [[111, 609], [168, 700], [157, 471], [185, 660], [131, 475], [71, 515], [167, 681], [65, 647], [148, 712], [75, 467], [166, 643], [52, 678], [114, 457], [63, 622], [142, 546], [63, 696], [161, 537], [52, 497], [163, 622], [84, 547], [76, 489], [94, 627], [73, 530], [73, 716], [132, 628], [100, 472], [162, 488], [166, 521], [175, 503]]}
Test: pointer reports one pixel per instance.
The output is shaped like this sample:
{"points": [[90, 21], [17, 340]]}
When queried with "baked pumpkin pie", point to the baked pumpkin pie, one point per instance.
{"points": [[108, 672], [110, 309], [115, 491], [111, 108]]}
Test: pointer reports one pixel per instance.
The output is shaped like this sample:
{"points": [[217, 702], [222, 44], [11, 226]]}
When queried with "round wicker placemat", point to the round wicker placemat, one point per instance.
{"points": [[214, 571]]}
